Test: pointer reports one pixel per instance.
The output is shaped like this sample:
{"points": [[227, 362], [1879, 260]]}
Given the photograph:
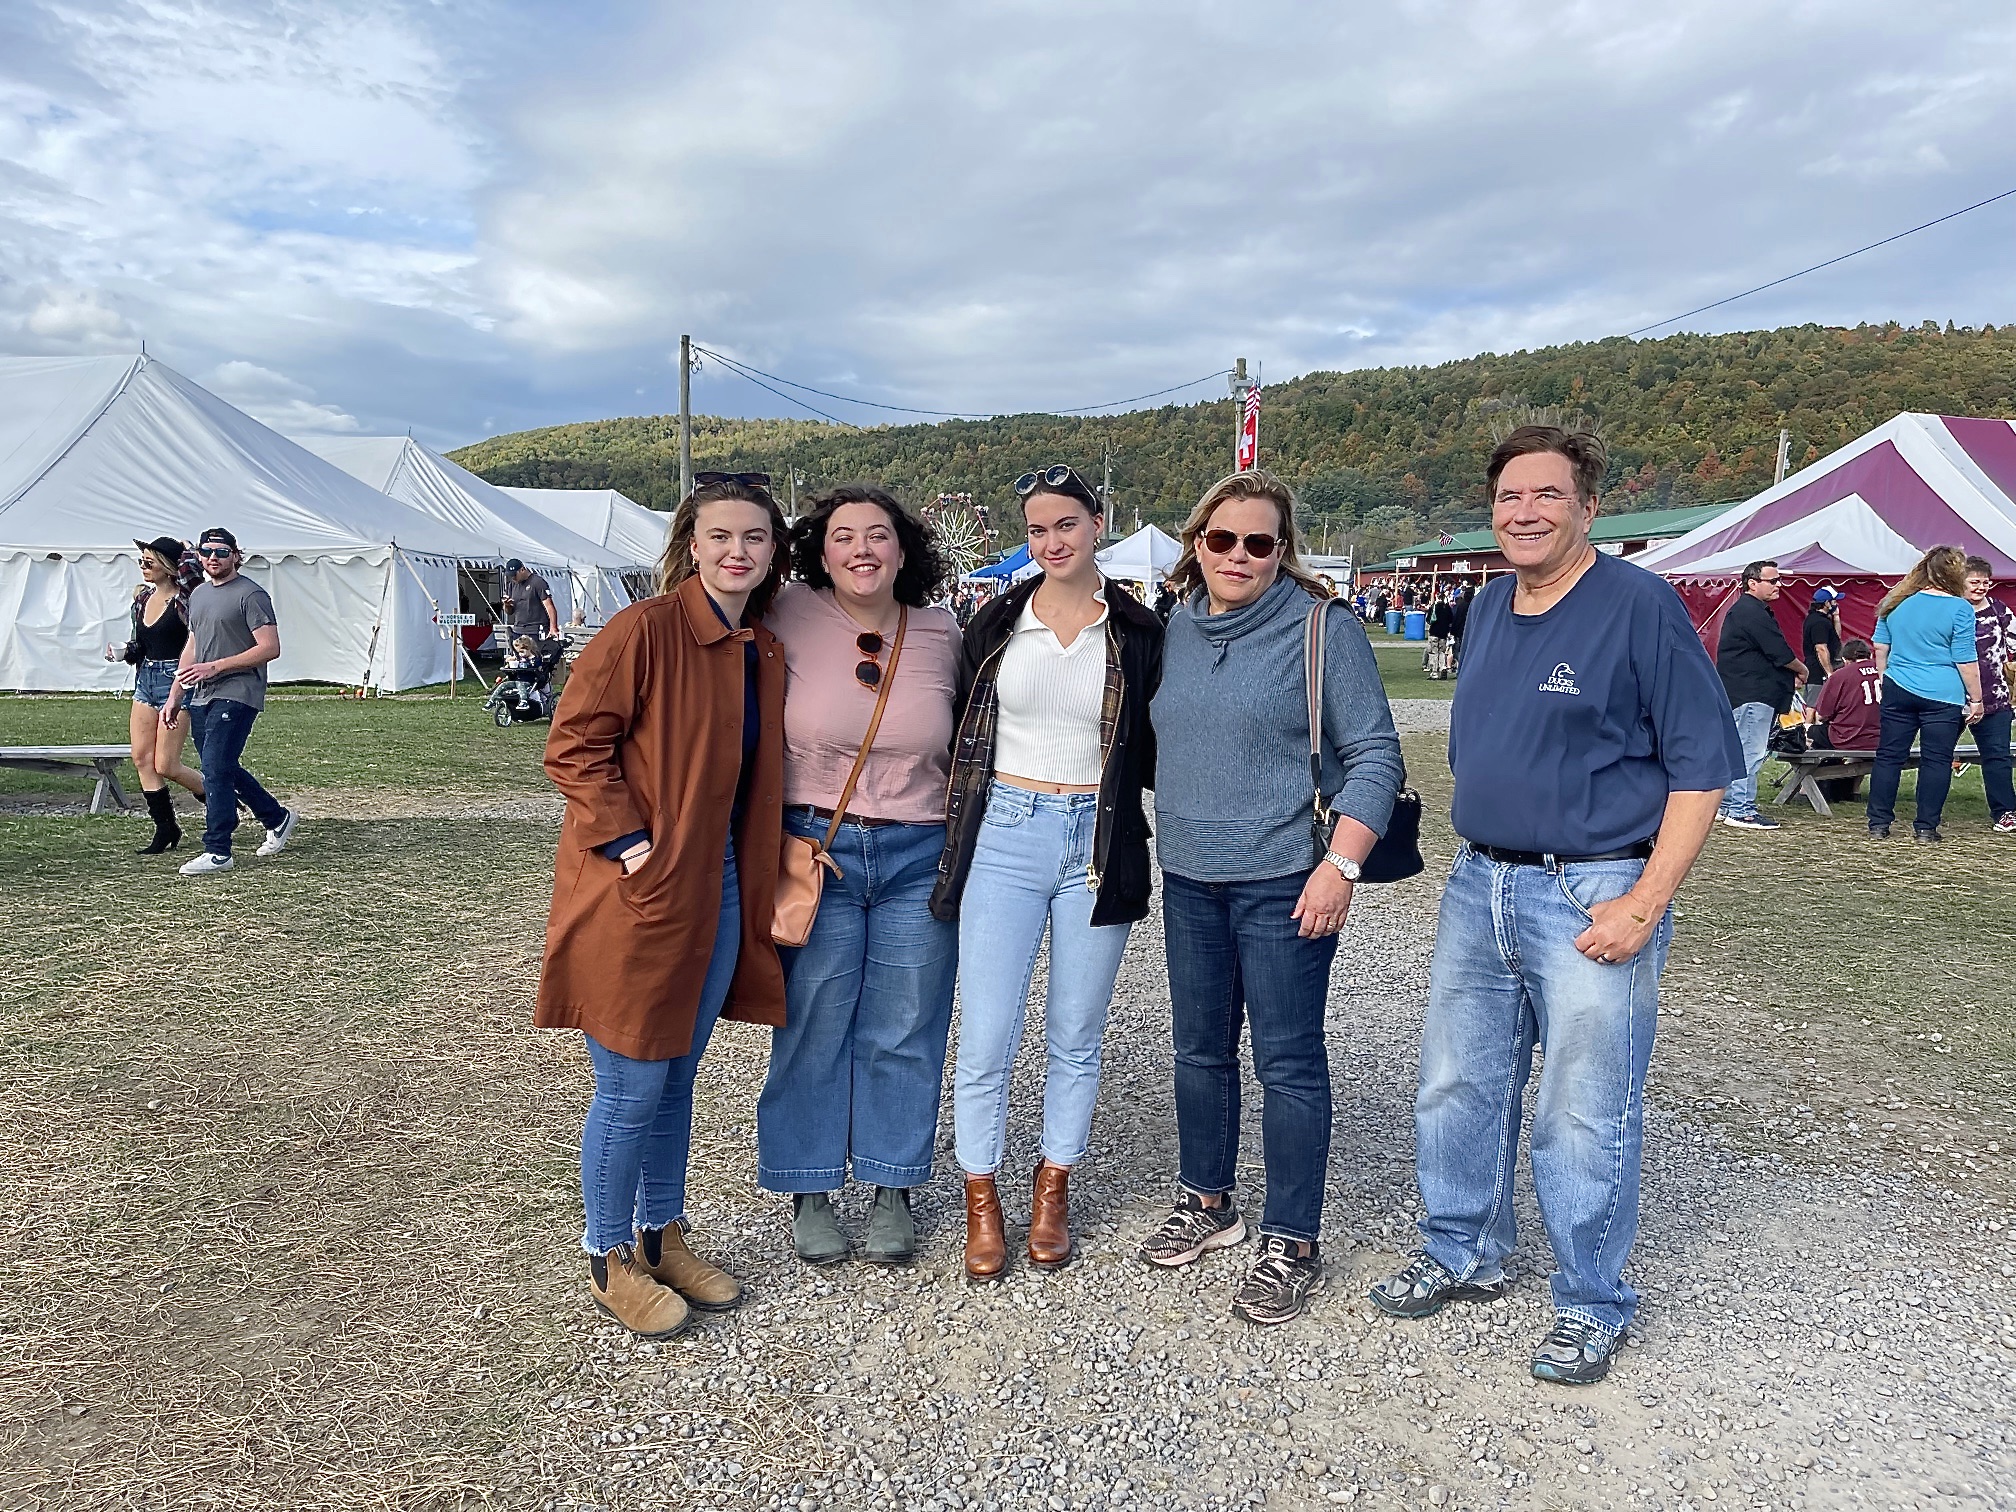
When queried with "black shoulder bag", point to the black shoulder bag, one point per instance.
{"points": [[1397, 854]]}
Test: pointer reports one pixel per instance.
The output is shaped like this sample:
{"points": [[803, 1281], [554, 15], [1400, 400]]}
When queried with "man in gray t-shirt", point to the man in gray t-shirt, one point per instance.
{"points": [[529, 598], [233, 634]]}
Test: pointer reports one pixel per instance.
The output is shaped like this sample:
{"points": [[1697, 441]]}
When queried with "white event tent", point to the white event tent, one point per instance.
{"points": [[580, 572], [98, 451], [1143, 557], [608, 518]]}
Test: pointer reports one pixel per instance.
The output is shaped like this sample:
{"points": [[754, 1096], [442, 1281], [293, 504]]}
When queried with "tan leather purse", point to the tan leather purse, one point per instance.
{"points": [[803, 862]]}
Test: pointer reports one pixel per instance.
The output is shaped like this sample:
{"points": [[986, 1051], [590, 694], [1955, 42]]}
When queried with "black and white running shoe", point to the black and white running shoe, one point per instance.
{"points": [[1277, 1289], [1425, 1287], [1192, 1228], [1574, 1353]]}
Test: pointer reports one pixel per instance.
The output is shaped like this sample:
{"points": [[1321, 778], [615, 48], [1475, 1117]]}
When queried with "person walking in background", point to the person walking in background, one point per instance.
{"points": [[1590, 744], [1994, 651], [856, 1066], [1926, 649], [1821, 649], [1759, 673], [1045, 835], [528, 599], [1849, 716], [160, 628], [665, 883], [233, 636], [1250, 915], [1459, 621], [1441, 626]]}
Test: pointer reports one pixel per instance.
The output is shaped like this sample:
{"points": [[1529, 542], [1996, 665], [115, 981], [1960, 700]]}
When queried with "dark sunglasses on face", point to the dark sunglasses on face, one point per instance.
{"points": [[869, 672], [1259, 547], [213, 551], [747, 480]]}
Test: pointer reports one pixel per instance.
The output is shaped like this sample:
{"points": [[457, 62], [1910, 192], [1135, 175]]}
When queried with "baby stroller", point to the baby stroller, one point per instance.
{"points": [[524, 688]]}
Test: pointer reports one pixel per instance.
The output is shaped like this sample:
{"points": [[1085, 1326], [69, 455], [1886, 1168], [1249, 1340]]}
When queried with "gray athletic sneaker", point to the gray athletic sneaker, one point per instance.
{"points": [[1575, 1353], [1425, 1287], [1277, 1289], [1192, 1228]]}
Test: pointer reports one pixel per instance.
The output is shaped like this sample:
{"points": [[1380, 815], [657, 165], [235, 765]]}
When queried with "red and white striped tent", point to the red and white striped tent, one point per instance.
{"points": [[1857, 520]]}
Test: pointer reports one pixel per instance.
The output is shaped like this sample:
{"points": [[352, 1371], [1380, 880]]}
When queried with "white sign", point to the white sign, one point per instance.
{"points": [[454, 621]]}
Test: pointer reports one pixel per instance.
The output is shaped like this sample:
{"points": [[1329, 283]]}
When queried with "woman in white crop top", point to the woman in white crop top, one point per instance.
{"points": [[1056, 688]]}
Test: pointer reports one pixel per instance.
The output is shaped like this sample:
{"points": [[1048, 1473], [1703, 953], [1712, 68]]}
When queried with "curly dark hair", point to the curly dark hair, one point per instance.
{"points": [[924, 569]]}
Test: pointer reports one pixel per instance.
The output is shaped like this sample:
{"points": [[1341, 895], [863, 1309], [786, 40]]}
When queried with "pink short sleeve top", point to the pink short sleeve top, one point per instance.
{"points": [[826, 710]]}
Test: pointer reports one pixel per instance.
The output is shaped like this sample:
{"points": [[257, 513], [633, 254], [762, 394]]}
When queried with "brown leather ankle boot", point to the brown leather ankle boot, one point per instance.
{"points": [[633, 1297], [665, 1255], [986, 1244], [1050, 1218]]}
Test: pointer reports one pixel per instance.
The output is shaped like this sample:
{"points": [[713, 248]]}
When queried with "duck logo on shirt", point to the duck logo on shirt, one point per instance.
{"points": [[1561, 680]]}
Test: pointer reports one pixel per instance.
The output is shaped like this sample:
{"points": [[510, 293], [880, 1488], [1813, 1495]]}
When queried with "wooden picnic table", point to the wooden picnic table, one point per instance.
{"points": [[103, 760], [1805, 772]]}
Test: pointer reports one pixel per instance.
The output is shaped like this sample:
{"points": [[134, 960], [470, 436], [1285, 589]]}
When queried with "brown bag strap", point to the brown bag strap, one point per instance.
{"points": [[874, 724]]}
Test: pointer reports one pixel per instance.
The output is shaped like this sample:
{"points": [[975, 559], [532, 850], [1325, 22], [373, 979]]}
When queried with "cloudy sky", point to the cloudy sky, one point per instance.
{"points": [[475, 217]]}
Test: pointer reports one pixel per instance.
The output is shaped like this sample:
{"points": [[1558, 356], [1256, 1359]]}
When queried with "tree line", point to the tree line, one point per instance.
{"points": [[1380, 457]]}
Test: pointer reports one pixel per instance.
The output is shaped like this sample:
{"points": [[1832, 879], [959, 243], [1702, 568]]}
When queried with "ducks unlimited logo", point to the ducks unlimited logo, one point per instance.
{"points": [[1561, 680]]}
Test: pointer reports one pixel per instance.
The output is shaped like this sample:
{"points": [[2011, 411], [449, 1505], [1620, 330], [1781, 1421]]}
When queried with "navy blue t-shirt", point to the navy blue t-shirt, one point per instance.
{"points": [[1571, 727]]}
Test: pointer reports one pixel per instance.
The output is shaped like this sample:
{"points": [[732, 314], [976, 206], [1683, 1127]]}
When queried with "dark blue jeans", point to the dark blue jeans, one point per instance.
{"points": [[1235, 958], [1991, 738], [221, 731], [1936, 726]]}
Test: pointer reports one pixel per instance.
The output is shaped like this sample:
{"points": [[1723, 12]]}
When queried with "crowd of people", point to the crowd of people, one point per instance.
{"points": [[791, 724]]}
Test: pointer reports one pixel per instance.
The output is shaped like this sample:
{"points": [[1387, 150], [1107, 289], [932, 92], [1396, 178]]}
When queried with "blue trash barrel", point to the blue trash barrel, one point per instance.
{"points": [[1393, 618], [1417, 624]]}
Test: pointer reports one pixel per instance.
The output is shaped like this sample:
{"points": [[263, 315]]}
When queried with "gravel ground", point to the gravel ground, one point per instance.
{"points": [[1820, 1327]]}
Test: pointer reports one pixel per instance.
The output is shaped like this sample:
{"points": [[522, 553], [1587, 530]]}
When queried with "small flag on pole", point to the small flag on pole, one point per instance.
{"points": [[1445, 539], [1249, 432]]}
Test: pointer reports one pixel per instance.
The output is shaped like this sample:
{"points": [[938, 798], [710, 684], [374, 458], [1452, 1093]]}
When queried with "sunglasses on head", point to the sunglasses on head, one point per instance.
{"points": [[1259, 547], [869, 672], [1060, 478], [213, 551], [747, 480]]}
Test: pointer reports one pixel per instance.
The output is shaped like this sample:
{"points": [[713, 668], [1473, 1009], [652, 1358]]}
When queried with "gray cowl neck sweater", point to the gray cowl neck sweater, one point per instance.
{"points": [[1232, 799]]}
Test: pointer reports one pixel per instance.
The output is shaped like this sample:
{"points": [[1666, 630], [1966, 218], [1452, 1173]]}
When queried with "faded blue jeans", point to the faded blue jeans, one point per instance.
{"points": [[1753, 729], [640, 1126], [222, 726], [856, 1070], [1507, 976], [1031, 870]]}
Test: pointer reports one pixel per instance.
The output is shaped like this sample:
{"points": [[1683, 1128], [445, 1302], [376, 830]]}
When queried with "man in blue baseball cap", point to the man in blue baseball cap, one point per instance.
{"points": [[1823, 637]]}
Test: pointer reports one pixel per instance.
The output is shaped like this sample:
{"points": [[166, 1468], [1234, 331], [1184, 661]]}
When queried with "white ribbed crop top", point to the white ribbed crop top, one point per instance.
{"points": [[1046, 724]]}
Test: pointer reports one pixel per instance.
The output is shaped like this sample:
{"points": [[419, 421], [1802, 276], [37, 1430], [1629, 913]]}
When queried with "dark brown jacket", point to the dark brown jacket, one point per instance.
{"points": [[648, 737]]}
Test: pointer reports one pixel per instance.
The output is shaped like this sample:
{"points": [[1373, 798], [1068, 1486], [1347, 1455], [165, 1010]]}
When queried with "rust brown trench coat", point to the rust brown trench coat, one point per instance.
{"points": [[648, 736]]}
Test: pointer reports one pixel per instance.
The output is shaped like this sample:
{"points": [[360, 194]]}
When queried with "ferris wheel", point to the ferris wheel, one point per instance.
{"points": [[959, 526]]}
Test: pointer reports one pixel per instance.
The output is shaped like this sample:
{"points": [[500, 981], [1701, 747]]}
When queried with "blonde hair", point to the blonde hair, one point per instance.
{"points": [[1943, 567], [676, 565], [1256, 483]]}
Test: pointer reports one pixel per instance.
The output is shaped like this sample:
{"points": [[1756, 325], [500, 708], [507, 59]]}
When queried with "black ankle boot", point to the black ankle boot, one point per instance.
{"points": [[167, 833]]}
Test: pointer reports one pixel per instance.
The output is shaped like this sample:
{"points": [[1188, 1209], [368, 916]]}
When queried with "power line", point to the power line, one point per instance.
{"points": [[1950, 215], [787, 398], [1088, 408]]}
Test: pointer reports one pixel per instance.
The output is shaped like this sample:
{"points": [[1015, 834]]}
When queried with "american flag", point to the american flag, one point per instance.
{"points": [[1445, 539], [1248, 455]]}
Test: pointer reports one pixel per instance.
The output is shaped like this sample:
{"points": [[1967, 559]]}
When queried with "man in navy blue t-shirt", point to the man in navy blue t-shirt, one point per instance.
{"points": [[1591, 740]]}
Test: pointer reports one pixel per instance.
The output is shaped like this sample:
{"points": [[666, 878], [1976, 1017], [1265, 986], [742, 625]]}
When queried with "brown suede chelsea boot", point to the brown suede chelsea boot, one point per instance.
{"points": [[665, 1255], [630, 1294], [986, 1244]]}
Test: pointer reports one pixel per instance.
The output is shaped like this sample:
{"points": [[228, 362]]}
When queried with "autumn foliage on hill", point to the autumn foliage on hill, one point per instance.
{"points": [[1380, 456]]}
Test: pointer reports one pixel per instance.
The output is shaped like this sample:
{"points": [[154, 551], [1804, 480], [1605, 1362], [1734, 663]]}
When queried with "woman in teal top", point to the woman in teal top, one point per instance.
{"points": [[1931, 687]]}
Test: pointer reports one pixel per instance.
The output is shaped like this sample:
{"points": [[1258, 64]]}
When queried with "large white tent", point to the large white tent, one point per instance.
{"points": [[608, 518], [1143, 557], [581, 572], [98, 451]]}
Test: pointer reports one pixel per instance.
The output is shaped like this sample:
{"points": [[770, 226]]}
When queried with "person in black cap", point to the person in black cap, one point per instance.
{"points": [[159, 616], [528, 601], [233, 634]]}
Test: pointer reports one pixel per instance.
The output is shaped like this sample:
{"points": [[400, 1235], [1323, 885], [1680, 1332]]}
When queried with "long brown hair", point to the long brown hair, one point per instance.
{"points": [[1943, 567], [676, 565], [1256, 483]]}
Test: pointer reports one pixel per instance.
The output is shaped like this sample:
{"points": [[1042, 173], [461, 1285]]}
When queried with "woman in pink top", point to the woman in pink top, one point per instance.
{"points": [[856, 1069]]}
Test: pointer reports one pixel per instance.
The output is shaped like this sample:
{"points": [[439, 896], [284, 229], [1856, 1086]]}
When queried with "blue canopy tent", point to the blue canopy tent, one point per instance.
{"points": [[1014, 565]]}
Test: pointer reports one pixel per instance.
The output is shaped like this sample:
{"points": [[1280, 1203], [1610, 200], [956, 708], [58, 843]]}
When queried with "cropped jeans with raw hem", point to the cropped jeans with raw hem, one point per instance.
{"points": [[856, 1070], [1506, 976], [1236, 959], [1031, 872], [640, 1126], [1936, 726], [1753, 729], [221, 728]]}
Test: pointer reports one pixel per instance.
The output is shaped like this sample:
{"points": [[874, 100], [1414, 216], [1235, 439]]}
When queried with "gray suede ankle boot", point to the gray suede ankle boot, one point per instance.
{"points": [[815, 1232], [892, 1232]]}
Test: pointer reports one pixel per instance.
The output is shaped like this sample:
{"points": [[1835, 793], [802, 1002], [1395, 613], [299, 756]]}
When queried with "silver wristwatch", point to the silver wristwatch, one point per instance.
{"points": [[1346, 867]]}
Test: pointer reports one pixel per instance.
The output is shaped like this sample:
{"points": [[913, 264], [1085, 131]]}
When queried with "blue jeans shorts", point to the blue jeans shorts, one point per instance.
{"points": [[152, 681]]}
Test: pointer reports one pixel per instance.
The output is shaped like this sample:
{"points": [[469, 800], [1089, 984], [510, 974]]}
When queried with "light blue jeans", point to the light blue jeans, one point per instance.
{"points": [[855, 1072], [1753, 728], [1506, 976], [1031, 872], [640, 1125]]}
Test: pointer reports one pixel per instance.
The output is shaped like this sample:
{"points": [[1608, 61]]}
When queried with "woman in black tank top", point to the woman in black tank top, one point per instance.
{"points": [[160, 629]]}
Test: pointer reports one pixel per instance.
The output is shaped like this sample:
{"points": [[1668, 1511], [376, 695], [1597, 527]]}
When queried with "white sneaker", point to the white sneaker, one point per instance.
{"points": [[207, 863], [276, 839]]}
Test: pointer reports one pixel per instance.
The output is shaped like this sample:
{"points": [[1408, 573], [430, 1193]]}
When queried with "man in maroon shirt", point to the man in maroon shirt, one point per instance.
{"points": [[1850, 713]]}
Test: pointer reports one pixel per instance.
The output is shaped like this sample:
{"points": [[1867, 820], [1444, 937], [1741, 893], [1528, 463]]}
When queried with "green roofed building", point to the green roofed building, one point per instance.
{"points": [[1473, 554]]}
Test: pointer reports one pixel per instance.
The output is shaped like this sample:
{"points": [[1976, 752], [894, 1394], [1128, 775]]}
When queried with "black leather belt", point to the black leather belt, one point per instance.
{"points": [[1638, 852], [827, 814]]}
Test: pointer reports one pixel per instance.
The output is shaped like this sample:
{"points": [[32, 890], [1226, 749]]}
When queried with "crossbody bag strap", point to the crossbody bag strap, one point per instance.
{"points": [[874, 724], [1312, 663]]}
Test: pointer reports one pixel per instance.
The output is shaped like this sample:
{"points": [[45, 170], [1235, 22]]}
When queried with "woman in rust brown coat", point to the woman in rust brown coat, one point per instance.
{"points": [[668, 746]]}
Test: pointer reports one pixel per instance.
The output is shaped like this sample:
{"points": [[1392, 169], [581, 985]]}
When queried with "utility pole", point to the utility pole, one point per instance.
{"points": [[1106, 488], [1784, 454], [685, 416]]}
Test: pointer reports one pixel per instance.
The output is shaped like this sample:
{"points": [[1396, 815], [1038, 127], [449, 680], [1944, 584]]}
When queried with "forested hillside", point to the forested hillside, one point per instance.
{"points": [[1381, 456]]}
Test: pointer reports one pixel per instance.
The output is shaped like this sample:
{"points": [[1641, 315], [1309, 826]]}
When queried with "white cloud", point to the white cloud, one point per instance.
{"points": [[279, 401], [78, 320]]}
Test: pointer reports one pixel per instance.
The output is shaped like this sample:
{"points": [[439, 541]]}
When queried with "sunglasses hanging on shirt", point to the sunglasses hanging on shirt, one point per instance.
{"points": [[869, 673]]}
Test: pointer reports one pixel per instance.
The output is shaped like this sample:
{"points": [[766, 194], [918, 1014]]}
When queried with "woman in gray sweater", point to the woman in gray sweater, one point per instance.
{"points": [[1250, 906]]}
